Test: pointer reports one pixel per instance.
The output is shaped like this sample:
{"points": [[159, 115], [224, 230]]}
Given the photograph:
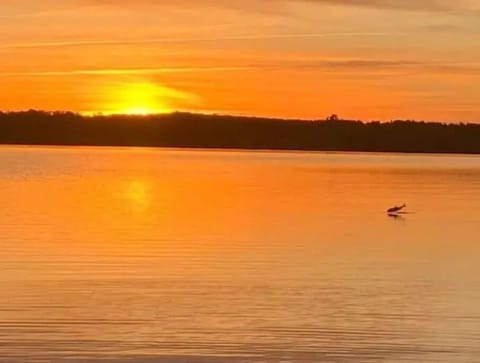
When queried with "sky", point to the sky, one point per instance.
{"points": [[361, 59]]}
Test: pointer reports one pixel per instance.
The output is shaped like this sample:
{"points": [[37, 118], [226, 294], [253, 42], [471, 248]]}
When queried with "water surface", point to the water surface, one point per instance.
{"points": [[111, 254]]}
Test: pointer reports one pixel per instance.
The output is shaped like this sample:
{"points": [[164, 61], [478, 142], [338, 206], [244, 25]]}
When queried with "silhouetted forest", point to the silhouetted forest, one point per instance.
{"points": [[215, 131]]}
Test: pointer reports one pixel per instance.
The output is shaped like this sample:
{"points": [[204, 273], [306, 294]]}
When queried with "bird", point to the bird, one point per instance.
{"points": [[396, 209]]}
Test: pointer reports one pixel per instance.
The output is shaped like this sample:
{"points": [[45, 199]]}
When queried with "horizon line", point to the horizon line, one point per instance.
{"points": [[93, 114]]}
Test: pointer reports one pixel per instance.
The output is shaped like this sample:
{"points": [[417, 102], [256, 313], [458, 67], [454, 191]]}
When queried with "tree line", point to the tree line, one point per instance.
{"points": [[218, 131]]}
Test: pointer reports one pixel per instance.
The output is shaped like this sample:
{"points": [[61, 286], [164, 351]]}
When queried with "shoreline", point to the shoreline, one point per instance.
{"points": [[196, 131], [233, 149]]}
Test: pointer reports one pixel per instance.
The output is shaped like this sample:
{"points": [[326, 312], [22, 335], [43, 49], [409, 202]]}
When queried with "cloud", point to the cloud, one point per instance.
{"points": [[52, 7], [326, 65], [443, 28], [429, 5], [422, 5], [122, 71], [49, 8], [104, 42]]}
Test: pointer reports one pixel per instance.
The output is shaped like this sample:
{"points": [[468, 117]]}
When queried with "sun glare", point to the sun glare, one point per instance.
{"points": [[138, 98], [141, 111], [141, 99]]}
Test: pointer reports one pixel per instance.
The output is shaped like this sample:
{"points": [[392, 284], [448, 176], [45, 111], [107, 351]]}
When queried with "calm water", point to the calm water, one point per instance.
{"points": [[210, 256]]}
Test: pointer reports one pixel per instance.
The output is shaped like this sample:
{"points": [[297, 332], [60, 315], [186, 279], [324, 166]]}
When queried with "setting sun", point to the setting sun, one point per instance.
{"points": [[140, 111], [239, 180], [139, 98]]}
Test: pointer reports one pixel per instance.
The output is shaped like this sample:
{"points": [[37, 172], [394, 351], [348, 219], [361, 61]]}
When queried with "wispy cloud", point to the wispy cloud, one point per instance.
{"points": [[341, 65], [424, 5], [246, 37], [48, 8], [124, 71], [417, 5]]}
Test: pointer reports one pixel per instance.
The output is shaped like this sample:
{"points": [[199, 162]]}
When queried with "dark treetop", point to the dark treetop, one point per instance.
{"points": [[213, 131]]}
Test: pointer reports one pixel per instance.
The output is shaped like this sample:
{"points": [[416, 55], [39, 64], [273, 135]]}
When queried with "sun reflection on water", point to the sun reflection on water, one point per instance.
{"points": [[137, 194]]}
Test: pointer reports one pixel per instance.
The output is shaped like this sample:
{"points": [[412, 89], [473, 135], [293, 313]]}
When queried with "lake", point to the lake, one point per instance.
{"points": [[144, 255]]}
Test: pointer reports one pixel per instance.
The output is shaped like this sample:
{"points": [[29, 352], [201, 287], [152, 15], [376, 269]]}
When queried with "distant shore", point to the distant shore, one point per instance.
{"points": [[187, 130]]}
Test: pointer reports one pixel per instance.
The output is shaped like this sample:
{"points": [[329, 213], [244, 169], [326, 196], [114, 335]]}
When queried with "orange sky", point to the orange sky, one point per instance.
{"points": [[366, 59]]}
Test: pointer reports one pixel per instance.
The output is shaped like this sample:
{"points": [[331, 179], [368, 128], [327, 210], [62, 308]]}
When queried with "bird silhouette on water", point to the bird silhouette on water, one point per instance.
{"points": [[396, 211]]}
